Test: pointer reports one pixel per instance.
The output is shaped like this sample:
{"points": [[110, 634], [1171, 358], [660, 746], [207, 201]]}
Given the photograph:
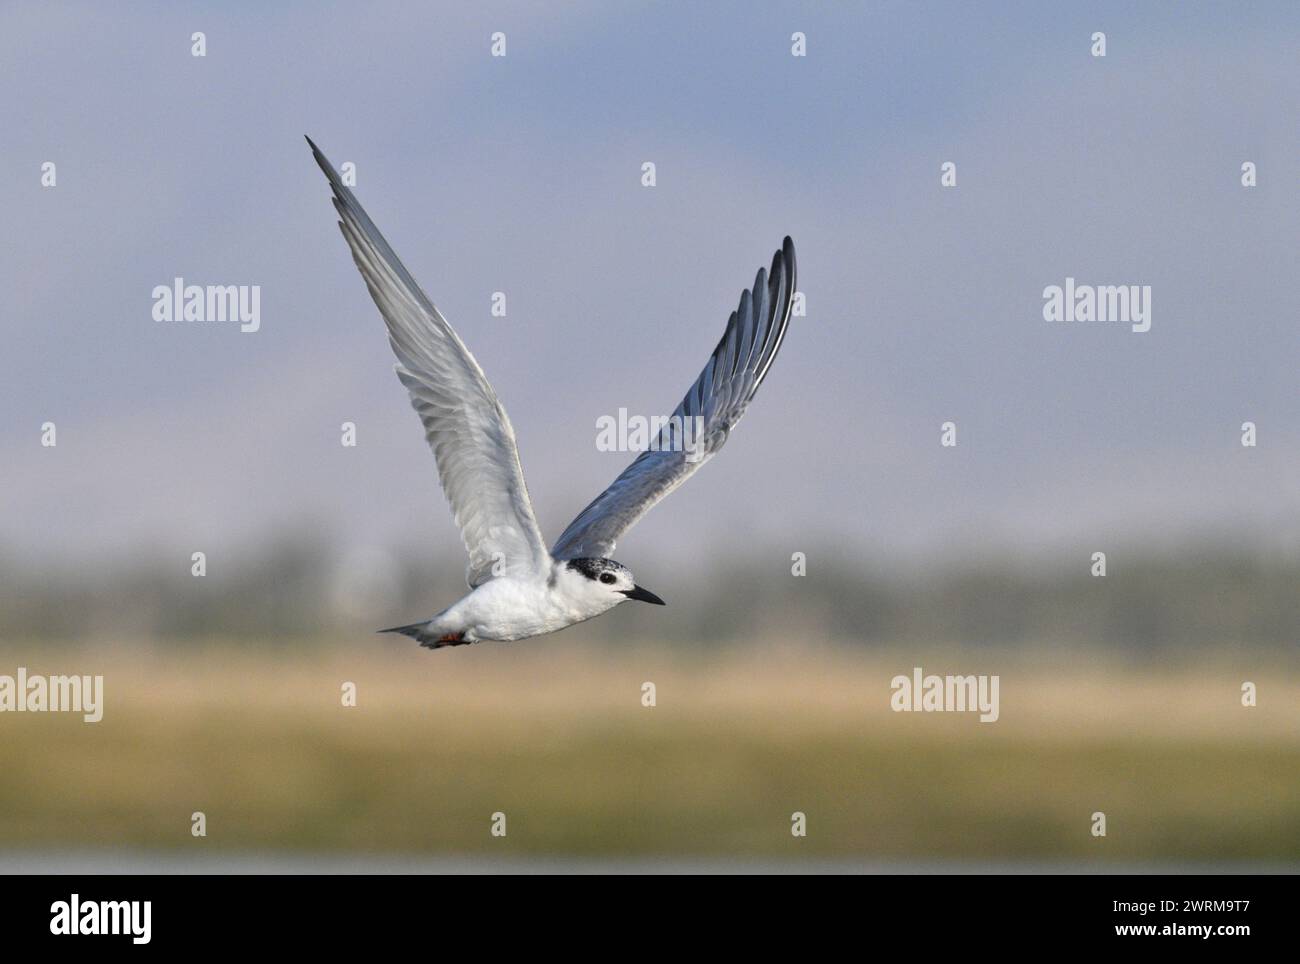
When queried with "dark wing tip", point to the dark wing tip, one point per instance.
{"points": [[781, 276], [327, 167]]}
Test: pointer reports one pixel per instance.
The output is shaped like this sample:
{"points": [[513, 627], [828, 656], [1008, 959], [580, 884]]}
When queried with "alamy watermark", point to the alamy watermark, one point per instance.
{"points": [[1127, 304], [130, 918], [945, 694], [24, 693], [658, 433], [182, 302]]}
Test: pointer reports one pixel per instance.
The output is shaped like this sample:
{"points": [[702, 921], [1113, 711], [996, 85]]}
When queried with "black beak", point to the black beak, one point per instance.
{"points": [[645, 595]]}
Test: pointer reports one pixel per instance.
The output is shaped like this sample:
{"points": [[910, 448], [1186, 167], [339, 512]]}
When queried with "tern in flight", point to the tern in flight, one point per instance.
{"points": [[518, 588]]}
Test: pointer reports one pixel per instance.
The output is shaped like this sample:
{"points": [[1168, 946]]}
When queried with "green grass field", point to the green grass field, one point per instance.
{"points": [[555, 736]]}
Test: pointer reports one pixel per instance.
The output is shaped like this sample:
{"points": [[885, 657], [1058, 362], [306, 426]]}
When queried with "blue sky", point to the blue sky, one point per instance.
{"points": [[521, 174]]}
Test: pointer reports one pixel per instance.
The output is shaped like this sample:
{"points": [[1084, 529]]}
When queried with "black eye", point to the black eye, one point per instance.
{"points": [[607, 578]]}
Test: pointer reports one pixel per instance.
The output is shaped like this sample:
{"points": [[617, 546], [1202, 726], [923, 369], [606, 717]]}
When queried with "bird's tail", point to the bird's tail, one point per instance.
{"points": [[420, 633]]}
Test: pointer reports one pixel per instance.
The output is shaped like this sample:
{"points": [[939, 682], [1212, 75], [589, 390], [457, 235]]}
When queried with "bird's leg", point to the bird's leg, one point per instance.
{"points": [[449, 639]]}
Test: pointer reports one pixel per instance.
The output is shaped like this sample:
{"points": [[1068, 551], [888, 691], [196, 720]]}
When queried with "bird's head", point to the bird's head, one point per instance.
{"points": [[606, 581]]}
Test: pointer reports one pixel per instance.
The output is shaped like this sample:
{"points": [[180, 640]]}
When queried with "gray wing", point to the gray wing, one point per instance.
{"points": [[464, 423], [718, 399]]}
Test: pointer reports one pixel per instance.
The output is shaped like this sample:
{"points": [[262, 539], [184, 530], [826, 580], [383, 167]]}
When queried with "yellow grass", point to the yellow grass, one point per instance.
{"points": [[555, 736]]}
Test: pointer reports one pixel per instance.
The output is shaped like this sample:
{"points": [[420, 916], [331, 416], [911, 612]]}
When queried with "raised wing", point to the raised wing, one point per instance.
{"points": [[716, 402], [464, 423]]}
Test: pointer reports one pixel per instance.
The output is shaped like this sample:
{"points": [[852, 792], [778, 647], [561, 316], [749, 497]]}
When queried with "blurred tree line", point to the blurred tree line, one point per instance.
{"points": [[300, 587]]}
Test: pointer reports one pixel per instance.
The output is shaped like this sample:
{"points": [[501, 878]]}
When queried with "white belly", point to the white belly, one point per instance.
{"points": [[507, 609]]}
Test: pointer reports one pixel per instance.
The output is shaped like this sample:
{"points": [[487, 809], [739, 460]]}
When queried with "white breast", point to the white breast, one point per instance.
{"points": [[510, 608]]}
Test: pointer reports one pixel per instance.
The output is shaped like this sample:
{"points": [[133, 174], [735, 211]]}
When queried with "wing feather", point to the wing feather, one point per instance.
{"points": [[465, 423], [719, 396]]}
